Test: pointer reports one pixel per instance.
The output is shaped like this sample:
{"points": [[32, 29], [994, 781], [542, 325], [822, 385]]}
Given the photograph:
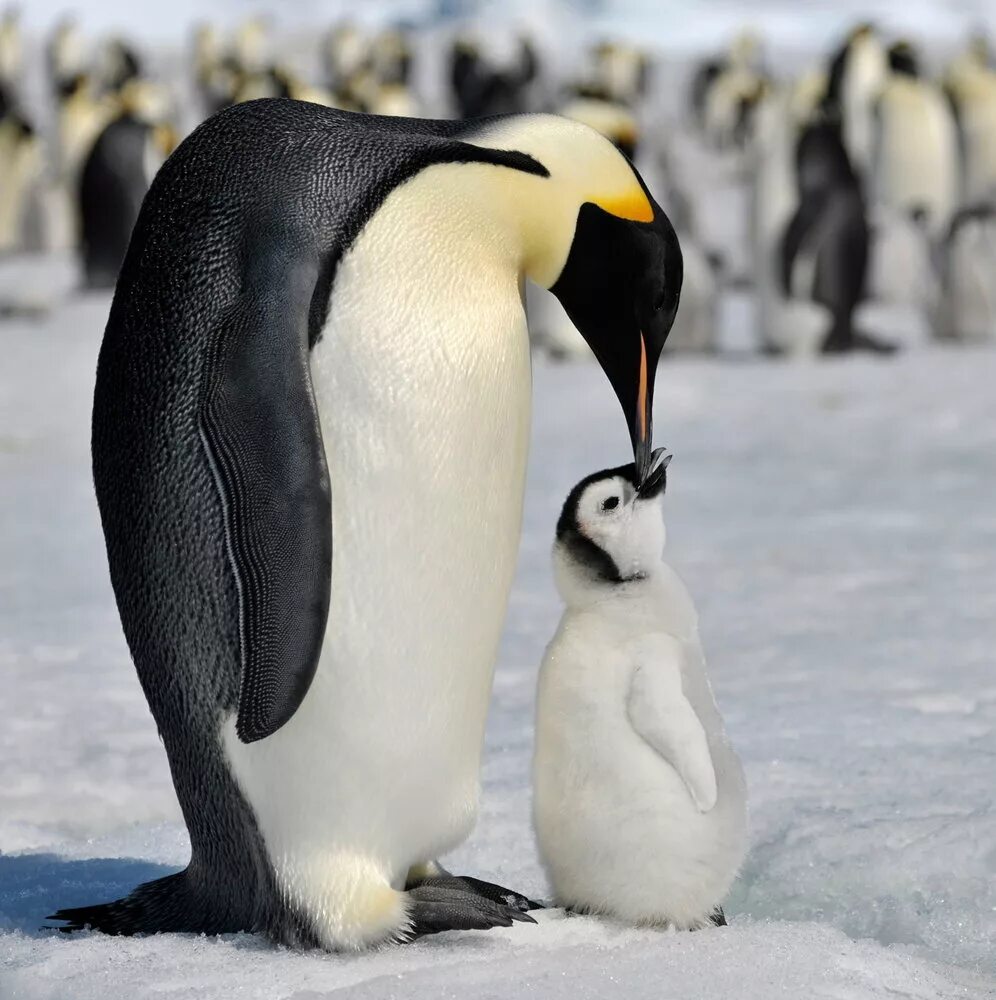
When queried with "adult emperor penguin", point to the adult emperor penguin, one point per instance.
{"points": [[857, 74], [317, 310], [115, 176], [916, 160], [824, 251]]}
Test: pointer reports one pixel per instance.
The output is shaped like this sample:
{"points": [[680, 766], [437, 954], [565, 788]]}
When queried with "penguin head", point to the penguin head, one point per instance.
{"points": [[903, 59], [611, 529], [594, 236]]}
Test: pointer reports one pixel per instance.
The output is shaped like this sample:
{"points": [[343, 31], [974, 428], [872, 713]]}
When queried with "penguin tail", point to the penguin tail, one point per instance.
{"points": [[162, 905]]}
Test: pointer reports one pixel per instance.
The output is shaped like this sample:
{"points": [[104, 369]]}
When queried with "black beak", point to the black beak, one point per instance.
{"points": [[654, 482]]}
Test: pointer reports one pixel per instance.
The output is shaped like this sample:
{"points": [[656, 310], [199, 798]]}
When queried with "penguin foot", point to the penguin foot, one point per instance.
{"points": [[858, 342], [435, 874], [719, 918], [499, 894], [441, 907]]}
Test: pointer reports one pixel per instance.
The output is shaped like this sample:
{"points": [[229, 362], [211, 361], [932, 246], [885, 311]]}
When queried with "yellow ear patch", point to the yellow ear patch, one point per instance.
{"points": [[634, 206]]}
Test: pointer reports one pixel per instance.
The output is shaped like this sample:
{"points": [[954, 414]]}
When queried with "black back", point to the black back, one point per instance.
{"points": [[830, 222], [112, 186]]}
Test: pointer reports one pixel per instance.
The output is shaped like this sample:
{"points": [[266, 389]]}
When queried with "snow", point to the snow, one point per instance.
{"points": [[835, 523]]}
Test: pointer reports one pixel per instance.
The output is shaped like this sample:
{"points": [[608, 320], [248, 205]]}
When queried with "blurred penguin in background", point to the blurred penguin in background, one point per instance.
{"points": [[784, 324], [966, 307], [482, 85], [115, 177], [21, 168], [858, 73], [824, 255], [620, 73], [251, 47], [65, 55], [730, 95], [915, 184], [916, 161], [971, 86], [11, 50], [345, 57], [217, 78]]}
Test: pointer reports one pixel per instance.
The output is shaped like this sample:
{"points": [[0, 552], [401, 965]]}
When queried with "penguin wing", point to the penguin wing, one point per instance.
{"points": [[260, 428], [664, 718]]}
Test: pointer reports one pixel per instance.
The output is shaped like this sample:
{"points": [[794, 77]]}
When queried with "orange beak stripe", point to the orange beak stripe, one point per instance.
{"points": [[641, 397], [634, 206]]}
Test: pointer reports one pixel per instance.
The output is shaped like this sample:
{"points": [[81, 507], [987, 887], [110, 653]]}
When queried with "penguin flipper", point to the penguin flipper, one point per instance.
{"points": [[260, 428], [665, 719]]}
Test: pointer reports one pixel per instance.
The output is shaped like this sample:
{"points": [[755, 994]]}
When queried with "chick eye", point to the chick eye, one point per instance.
{"points": [[610, 503]]}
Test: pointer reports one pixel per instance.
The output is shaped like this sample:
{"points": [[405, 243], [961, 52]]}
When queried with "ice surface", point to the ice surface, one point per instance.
{"points": [[836, 525]]}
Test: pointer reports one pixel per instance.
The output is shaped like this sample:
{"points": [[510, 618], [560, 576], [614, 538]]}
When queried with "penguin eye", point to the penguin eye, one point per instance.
{"points": [[610, 503], [661, 300]]}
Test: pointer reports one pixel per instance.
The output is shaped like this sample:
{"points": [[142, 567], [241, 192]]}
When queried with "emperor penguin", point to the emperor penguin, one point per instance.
{"points": [[916, 152], [21, 169], [785, 324], [317, 307], [11, 49], [857, 74], [639, 800], [66, 54], [824, 250], [971, 85], [966, 306], [115, 176]]}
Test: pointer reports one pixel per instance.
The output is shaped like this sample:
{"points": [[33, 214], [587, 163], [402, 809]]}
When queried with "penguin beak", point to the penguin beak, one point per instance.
{"points": [[655, 481], [641, 425]]}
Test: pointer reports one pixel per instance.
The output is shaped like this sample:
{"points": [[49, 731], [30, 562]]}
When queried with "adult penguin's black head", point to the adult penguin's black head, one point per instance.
{"points": [[620, 286]]}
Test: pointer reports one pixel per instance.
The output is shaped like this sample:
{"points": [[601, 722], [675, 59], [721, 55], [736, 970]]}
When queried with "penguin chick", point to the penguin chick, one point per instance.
{"points": [[639, 801]]}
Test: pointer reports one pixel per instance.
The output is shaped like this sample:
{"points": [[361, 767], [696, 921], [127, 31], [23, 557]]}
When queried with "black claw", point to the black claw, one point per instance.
{"points": [[440, 905], [719, 917], [499, 894]]}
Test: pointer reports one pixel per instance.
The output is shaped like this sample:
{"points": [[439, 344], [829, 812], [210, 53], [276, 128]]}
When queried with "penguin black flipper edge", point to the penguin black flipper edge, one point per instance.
{"points": [[259, 426]]}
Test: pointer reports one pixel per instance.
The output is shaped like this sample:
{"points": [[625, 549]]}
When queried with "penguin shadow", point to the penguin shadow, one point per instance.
{"points": [[34, 885]]}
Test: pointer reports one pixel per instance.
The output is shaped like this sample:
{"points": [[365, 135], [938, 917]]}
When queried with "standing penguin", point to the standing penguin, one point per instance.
{"points": [[857, 74], [824, 254], [21, 168], [971, 85], [916, 159], [11, 49], [115, 176], [784, 324], [966, 306], [639, 800], [316, 310]]}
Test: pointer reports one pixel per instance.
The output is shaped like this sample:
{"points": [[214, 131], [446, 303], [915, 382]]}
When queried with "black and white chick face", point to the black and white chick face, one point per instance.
{"points": [[611, 530]]}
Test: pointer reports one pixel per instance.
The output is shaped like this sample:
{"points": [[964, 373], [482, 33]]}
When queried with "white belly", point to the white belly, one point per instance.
{"points": [[423, 390]]}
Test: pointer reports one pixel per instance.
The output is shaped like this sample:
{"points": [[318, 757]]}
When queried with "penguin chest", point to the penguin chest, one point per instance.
{"points": [[422, 385]]}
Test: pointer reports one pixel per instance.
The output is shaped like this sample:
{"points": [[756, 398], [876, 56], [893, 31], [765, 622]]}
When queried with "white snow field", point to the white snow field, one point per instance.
{"points": [[836, 523]]}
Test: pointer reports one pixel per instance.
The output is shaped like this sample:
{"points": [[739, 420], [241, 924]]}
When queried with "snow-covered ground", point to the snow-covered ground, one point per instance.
{"points": [[836, 523]]}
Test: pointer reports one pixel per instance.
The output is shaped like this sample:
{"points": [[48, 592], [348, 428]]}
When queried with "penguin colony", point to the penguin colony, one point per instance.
{"points": [[866, 177]]}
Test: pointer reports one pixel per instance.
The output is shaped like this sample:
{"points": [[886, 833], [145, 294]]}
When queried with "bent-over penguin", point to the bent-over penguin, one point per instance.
{"points": [[309, 445]]}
